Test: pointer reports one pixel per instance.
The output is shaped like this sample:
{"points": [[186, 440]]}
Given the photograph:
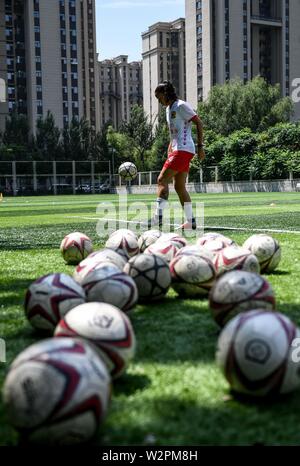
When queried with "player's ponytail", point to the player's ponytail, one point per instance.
{"points": [[167, 88]]}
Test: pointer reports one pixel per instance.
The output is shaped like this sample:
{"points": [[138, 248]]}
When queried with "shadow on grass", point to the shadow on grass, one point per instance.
{"points": [[178, 421], [128, 384]]}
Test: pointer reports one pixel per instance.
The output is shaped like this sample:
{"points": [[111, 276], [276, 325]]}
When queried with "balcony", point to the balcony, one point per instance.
{"points": [[266, 20]]}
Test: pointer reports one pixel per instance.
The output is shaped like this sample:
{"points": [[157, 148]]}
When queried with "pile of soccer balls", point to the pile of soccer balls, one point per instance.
{"points": [[58, 390]]}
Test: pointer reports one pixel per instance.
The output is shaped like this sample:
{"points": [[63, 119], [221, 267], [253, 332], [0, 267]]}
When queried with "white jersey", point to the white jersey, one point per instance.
{"points": [[179, 116]]}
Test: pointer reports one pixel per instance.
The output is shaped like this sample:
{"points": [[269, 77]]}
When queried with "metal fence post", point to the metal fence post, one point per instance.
{"points": [[201, 175], [216, 174], [140, 178], [74, 176], [291, 177], [54, 177], [34, 176], [150, 178], [14, 174], [93, 176]]}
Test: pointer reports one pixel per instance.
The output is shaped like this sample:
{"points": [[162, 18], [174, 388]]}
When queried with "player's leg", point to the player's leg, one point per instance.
{"points": [[185, 200], [163, 180]]}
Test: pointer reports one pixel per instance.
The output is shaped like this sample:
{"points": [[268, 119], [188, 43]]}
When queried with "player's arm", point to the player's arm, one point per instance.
{"points": [[199, 128]]}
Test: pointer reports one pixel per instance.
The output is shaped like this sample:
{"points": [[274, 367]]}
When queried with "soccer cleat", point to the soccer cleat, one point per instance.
{"points": [[188, 225], [156, 220]]}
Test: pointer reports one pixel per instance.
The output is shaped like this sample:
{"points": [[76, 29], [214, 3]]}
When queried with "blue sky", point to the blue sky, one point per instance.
{"points": [[120, 23]]}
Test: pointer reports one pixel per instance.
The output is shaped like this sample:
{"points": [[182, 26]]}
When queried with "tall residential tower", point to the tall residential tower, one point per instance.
{"points": [[51, 61], [241, 38]]}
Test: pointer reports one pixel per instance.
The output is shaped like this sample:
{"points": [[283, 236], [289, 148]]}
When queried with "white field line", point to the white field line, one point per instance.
{"points": [[205, 227], [73, 202]]}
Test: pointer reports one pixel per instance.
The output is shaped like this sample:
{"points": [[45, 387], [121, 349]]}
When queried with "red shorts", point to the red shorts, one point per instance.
{"points": [[179, 161]]}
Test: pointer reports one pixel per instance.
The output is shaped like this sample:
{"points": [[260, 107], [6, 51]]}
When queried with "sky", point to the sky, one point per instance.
{"points": [[119, 24]]}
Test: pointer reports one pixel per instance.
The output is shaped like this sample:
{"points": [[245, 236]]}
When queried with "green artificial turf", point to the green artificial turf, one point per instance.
{"points": [[173, 393]]}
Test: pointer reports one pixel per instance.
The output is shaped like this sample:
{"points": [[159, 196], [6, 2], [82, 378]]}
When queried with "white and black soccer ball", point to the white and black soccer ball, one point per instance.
{"points": [[147, 238], [192, 276], [255, 353], [164, 249], [106, 327], [124, 239], [49, 298], [267, 250], [75, 247], [107, 284], [151, 274], [236, 258], [127, 171], [57, 392], [95, 259], [238, 291]]}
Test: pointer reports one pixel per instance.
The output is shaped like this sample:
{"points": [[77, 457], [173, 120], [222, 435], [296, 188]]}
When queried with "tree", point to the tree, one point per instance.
{"points": [[255, 105], [77, 140], [47, 139], [140, 131]]}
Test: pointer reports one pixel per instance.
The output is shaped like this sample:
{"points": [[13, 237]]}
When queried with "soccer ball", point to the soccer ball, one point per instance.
{"points": [[192, 275], [236, 258], [173, 238], [124, 239], [127, 171], [106, 327], [194, 250], [255, 353], [239, 291], [75, 247], [57, 392], [107, 284], [93, 260], [49, 298], [151, 274], [266, 249], [212, 236], [164, 249], [216, 245], [147, 238]]}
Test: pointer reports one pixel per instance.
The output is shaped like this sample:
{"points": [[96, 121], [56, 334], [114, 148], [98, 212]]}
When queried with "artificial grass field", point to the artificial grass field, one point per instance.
{"points": [[173, 393]]}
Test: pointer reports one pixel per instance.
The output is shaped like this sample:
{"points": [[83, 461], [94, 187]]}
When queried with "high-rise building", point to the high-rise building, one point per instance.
{"points": [[3, 77], [120, 89], [163, 59], [241, 38], [51, 59]]}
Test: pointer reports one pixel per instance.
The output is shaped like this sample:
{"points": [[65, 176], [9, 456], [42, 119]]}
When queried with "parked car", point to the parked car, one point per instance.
{"points": [[61, 188]]}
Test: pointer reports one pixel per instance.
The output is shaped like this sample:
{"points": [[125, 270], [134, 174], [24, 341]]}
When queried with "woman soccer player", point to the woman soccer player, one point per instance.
{"points": [[180, 117]]}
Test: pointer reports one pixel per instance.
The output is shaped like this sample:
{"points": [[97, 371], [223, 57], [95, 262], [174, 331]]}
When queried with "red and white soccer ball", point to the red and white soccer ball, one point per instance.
{"points": [[107, 327], [49, 298], [151, 274], [236, 258], [174, 239], [213, 236], [266, 249], [75, 247], [107, 284], [124, 239], [164, 249], [194, 250], [238, 291], [192, 276], [147, 238], [255, 353], [94, 260], [57, 392]]}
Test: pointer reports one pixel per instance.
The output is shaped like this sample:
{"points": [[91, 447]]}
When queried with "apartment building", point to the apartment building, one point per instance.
{"points": [[121, 87], [242, 38], [163, 59], [50, 61]]}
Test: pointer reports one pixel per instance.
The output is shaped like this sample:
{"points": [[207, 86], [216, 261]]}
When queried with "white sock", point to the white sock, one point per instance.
{"points": [[160, 205], [188, 210]]}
